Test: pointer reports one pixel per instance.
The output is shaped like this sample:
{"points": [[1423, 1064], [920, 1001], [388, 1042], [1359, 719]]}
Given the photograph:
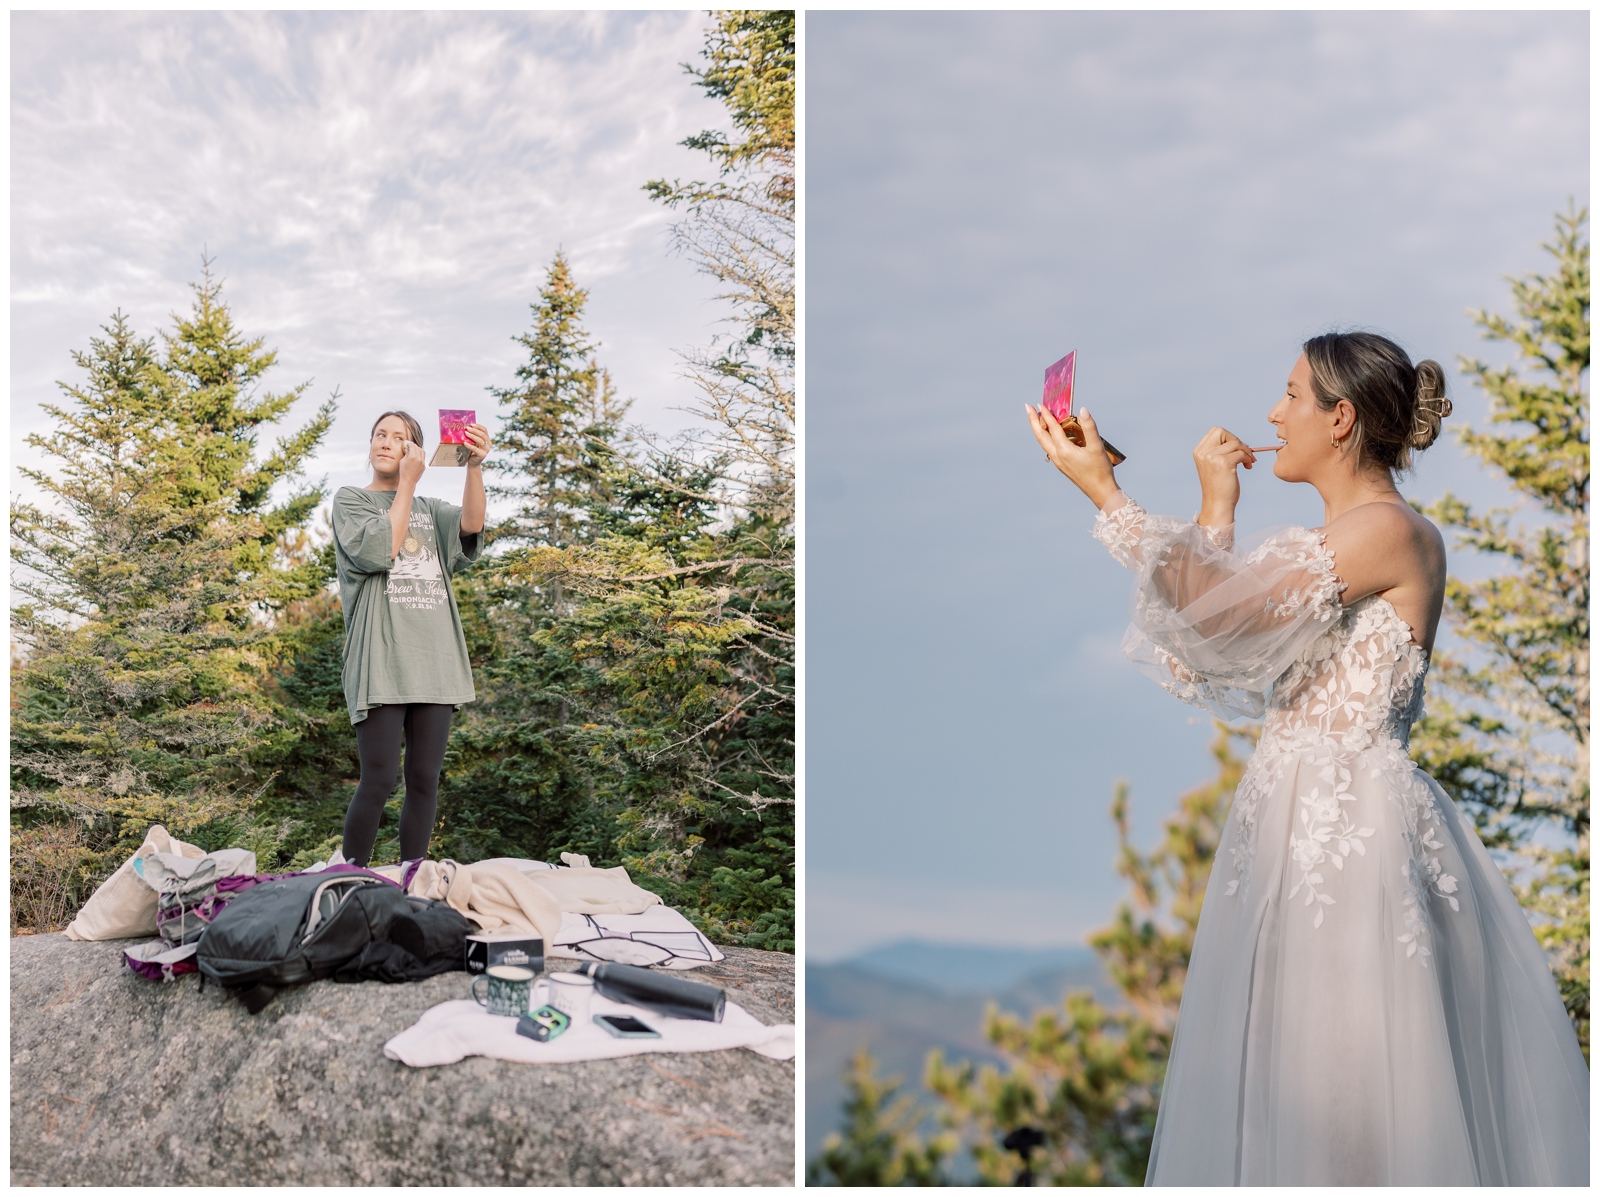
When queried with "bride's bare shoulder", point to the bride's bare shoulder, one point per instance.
{"points": [[1390, 528]]}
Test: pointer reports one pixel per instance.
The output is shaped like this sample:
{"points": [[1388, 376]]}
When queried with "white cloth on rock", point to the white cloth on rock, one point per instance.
{"points": [[1365, 1003], [452, 1031]]}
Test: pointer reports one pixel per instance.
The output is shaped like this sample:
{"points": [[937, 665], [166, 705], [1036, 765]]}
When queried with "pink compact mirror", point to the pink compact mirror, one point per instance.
{"points": [[1058, 402], [1058, 387], [452, 450], [453, 425]]}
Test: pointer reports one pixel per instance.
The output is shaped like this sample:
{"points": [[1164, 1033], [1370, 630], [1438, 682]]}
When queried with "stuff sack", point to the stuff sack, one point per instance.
{"points": [[188, 900], [158, 960], [124, 907], [297, 929]]}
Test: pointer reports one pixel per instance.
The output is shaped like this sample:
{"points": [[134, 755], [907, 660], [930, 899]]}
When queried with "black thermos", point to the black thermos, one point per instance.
{"points": [[665, 994]]}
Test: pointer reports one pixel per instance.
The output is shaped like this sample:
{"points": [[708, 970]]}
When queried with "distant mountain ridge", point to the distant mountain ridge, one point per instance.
{"points": [[904, 999], [969, 968]]}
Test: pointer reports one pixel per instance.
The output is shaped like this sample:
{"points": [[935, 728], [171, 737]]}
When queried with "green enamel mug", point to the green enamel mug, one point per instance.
{"points": [[506, 990]]}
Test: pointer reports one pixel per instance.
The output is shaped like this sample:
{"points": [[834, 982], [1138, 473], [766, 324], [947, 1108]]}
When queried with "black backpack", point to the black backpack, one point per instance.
{"points": [[297, 929], [429, 940]]}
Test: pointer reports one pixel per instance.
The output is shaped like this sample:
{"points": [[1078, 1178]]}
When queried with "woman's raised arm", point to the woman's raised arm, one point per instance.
{"points": [[1213, 626]]}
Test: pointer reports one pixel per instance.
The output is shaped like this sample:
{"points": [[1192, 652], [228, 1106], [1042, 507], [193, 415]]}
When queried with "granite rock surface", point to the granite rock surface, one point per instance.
{"points": [[116, 1080]]}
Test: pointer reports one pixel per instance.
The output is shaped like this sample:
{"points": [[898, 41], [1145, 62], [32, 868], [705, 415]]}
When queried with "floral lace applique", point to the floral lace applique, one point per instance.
{"points": [[1220, 539], [1304, 548], [1357, 686], [1177, 628], [1260, 776], [1196, 689], [1340, 688], [1122, 531], [1423, 871], [1327, 833], [1347, 704]]}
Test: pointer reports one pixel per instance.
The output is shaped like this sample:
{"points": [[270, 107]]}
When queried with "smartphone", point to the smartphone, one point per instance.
{"points": [[626, 1026], [543, 1024]]}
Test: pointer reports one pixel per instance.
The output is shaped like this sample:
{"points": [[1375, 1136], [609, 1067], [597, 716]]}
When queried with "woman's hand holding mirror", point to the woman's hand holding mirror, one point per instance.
{"points": [[1087, 464]]}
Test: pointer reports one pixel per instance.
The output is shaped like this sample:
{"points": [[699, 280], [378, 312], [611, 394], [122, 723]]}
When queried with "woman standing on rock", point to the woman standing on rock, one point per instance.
{"points": [[1365, 1003], [405, 657]]}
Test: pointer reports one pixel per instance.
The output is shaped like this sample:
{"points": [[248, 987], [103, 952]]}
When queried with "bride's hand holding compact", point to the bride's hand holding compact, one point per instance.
{"points": [[1087, 466]]}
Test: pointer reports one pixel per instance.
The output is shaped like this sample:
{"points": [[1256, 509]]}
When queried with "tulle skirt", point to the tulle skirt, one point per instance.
{"points": [[1366, 1003]]}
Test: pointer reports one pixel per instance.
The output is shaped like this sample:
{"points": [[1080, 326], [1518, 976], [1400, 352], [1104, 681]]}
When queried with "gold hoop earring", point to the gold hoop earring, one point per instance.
{"points": [[1334, 440]]}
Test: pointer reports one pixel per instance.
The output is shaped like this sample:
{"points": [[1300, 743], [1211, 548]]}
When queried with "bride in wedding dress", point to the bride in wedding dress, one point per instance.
{"points": [[1365, 1002]]}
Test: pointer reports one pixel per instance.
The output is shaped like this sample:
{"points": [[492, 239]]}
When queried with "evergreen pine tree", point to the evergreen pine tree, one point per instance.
{"points": [[519, 779], [1508, 734], [150, 582], [309, 759], [879, 1145], [562, 423], [207, 380]]}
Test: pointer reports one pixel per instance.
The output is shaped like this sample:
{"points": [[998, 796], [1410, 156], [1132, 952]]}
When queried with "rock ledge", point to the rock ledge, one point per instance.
{"points": [[120, 1081]]}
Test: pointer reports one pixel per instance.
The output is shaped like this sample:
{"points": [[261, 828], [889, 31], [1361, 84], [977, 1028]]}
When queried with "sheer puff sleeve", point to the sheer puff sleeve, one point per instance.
{"points": [[1211, 625]]}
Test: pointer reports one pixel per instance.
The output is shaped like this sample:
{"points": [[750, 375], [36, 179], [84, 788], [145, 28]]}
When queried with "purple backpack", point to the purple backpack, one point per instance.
{"points": [[189, 898]]}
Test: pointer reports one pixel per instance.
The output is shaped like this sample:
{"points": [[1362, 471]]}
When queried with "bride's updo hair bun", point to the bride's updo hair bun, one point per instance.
{"points": [[1432, 406], [1399, 406]]}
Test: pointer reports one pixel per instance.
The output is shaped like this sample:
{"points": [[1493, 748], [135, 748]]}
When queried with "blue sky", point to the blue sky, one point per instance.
{"points": [[1183, 198], [382, 193]]}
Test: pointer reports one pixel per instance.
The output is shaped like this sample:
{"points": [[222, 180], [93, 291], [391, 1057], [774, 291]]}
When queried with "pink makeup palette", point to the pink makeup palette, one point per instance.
{"points": [[1058, 387], [453, 425], [1057, 401], [452, 450]]}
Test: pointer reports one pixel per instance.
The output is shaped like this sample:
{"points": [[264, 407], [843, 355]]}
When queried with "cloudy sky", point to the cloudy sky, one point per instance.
{"points": [[1183, 198], [382, 193]]}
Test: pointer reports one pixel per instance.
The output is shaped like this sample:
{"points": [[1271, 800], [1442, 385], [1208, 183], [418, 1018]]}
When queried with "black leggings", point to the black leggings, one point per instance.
{"points": [[426, 727]]}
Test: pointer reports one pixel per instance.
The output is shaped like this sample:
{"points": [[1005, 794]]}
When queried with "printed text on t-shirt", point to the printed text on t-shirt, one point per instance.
{"points": [[416, 579]]}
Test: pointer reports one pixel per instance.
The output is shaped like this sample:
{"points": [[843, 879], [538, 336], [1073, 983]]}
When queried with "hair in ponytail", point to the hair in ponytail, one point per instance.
{"points": [[1399, 406]]}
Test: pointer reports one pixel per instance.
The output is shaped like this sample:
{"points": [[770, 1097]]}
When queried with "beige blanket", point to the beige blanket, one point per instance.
{"points": [[501, 897], [125, 905], [594, 891]]}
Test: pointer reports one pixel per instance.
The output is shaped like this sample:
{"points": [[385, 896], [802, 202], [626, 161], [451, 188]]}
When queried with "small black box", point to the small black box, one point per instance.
{"points": [[489, 949]]}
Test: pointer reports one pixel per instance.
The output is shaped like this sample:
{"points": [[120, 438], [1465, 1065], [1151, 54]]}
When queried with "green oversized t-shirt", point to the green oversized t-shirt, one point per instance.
{"points": [[402, 632]]}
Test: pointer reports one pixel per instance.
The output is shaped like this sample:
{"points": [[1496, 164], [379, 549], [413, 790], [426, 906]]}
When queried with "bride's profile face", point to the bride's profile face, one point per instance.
{"points": [[1303, 427]]}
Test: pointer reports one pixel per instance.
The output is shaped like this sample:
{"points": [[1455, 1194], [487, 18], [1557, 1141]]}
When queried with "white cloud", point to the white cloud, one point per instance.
{"points": [[382, 192]]}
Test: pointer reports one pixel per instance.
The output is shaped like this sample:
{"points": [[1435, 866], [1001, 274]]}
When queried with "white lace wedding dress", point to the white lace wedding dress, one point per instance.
{"points": [[1365, 1004]]}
